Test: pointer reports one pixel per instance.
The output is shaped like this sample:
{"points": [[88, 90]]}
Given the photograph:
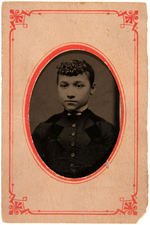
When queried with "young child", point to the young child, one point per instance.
{"points": [[76, 142]]}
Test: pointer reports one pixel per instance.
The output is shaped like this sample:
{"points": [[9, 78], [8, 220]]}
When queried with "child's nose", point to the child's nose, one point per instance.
{"points": [[70, 96]]}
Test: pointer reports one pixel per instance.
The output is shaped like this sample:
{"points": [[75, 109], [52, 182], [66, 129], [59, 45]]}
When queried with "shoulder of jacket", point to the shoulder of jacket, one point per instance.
{"points": [[100, 122], [95, 117], [44, 127], [54, 118]]}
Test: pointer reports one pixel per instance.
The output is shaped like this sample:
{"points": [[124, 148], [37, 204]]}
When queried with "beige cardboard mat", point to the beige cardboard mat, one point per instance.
{"points": [[88, 163]]}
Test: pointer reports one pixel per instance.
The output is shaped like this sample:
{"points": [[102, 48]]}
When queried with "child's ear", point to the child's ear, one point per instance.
{"points": [[93, 88]]}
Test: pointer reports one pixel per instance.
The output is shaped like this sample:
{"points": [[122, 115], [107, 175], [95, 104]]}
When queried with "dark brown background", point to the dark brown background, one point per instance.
{"points": [[44, 100]]}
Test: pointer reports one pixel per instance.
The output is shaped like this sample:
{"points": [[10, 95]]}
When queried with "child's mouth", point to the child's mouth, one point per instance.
{"points": [[71, 101]]}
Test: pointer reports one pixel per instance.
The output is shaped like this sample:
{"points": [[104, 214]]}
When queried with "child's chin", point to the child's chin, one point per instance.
{"points": [[70, 108]]}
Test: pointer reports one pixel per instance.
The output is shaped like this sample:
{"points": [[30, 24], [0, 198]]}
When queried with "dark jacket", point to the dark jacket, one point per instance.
{"points": [[74, 145]]}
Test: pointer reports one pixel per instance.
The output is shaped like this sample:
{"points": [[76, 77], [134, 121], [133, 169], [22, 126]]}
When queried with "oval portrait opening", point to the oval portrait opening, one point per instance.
{"points": [[74, 114]]}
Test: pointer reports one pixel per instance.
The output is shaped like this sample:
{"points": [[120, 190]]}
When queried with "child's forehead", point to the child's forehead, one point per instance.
{"points": [[80, 77]]}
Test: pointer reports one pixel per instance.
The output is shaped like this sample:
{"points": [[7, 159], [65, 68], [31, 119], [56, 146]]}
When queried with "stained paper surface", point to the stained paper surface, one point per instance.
{"points": [[35, 34]]}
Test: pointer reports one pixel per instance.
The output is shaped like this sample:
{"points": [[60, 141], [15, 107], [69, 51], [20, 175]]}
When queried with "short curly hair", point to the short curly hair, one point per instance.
{"points": [[74, 68]]}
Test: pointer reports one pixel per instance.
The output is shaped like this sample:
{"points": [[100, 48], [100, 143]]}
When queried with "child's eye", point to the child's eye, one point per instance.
{"points": [[63, 85], [79, 85]]}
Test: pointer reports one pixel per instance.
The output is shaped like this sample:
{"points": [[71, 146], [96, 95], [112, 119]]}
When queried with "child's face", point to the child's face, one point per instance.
{"points": [[74, 91]]}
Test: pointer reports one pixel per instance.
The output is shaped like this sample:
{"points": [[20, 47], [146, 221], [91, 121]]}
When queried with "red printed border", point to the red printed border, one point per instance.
{"points": [[17, 206]]}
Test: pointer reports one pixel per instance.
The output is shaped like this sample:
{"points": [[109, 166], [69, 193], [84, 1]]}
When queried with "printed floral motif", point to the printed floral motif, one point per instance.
{"points": [[16, 206], [129, 18], [129, 207], [18, 18]]}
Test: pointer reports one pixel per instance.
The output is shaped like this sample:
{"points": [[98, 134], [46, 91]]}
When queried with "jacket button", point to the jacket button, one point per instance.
{"points": [[73, 125], [72, 154], [73, 144], [73, 134]]}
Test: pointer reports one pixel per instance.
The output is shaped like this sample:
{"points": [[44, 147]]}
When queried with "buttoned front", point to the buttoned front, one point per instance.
{"points": [[74, 145]]}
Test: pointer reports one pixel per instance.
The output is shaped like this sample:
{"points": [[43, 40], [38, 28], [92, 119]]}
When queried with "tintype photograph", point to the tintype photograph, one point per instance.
{"points": [[77, 96]]}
